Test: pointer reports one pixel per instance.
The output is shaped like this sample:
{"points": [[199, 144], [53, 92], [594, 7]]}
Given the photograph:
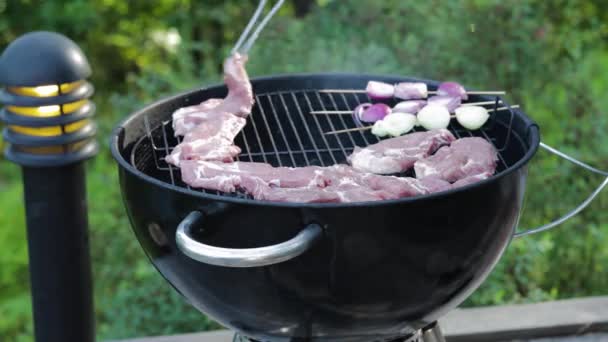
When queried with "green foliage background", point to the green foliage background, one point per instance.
{"points": [[551, 56]]}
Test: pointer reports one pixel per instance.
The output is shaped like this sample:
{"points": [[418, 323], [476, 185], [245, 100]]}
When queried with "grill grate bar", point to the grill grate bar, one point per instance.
{"points": [[149, 134], [274, 145], [167, 153], [312, 140], [500, 157], [246, 145], [341, 118], [510, 125], [316, 120], [320, 150], [454, 130], [295, 130], [179, 141], [280, 125], [331, 125], [154, 155], [346, 105], [257, 136], [276, 117], [163, 148]]}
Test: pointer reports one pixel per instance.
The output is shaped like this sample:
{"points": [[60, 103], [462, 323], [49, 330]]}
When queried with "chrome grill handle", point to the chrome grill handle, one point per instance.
{"points": [[581, 206], [243, 257]]}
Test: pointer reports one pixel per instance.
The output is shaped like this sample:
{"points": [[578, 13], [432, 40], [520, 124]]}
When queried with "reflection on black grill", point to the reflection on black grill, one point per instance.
{"points": [[280, 131]]}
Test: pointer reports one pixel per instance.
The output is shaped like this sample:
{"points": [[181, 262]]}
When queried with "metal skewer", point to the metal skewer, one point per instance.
{"points": [[344, 112], [431, 92], [482, 103], [359, 129]]}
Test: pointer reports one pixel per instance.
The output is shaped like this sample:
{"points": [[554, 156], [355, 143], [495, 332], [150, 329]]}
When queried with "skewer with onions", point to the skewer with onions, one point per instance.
{"points": [[376, 111], [428, 111], [469, 117], [432, 116], [412, 90], [416, 109]]}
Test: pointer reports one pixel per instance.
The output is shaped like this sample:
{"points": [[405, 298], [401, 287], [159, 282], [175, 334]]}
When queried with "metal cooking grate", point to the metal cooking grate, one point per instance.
{"points": [[281, 131]]}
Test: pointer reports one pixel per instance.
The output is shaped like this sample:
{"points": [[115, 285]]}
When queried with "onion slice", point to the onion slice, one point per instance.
{"points": [[452, 89], [375, 112], [410, 106], [379, 129], [449, 102], [472, 117], [411, 90], [434, 116], [397, 124], [358, 112], [380, 90]]}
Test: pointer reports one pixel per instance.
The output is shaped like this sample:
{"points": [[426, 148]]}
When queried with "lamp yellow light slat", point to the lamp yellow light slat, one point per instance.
{"points": [[45, 90], [50, 131], [48, 111]]}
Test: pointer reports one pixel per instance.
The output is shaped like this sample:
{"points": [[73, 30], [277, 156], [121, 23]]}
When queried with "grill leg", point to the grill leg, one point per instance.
{"points": [[432, 333], [58, 243]]}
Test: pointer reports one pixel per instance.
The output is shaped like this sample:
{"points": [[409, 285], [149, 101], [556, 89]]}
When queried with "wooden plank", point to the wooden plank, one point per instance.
{"points": [[211, 336], [566, 318], [510, 322], [584, 338]]}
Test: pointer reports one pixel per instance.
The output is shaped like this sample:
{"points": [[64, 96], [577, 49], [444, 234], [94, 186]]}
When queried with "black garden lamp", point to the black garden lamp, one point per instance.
{"points": [[50, 133]]}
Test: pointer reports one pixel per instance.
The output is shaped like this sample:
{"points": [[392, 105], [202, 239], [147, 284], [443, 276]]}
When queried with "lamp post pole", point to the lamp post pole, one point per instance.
{"points": [[50, 133]]}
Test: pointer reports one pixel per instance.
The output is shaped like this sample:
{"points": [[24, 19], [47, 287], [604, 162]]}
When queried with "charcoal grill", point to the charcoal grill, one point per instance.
{"points": [[321, 272]]}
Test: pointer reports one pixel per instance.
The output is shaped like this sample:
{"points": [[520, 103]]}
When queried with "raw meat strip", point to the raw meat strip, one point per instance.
{"points": [[399, 154], [463, 158]]}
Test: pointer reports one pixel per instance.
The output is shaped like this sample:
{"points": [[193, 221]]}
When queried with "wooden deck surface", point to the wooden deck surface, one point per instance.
{"points": [[573, 320]]}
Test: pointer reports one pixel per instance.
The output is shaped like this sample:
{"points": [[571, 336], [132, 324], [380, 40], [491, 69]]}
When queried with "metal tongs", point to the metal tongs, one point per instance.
{"points": [[242, 46]]}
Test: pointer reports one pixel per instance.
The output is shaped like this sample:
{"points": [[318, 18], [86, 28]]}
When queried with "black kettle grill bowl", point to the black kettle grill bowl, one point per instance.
{"points": [[380, 271]]}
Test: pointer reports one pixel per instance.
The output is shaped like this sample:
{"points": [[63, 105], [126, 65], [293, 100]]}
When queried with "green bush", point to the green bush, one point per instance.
{"points": [[15, 302], [551, 57]]}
